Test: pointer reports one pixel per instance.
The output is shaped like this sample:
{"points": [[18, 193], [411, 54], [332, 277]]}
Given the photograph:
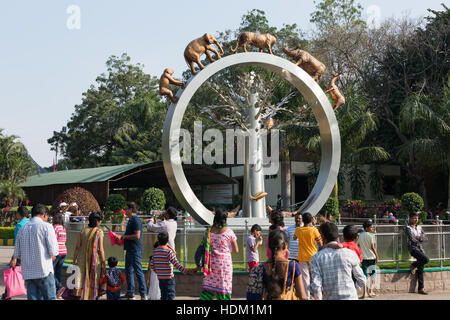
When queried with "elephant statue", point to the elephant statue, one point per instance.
{"points": [[307, 62], [336, 95], [164, 82], [197, 47], [260, 41]]}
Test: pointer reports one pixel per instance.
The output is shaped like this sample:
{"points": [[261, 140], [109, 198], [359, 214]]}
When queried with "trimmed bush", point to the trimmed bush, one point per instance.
{"points": [[6, 233], [153, 199], [82, 197], [411, 202], [116, 202]]}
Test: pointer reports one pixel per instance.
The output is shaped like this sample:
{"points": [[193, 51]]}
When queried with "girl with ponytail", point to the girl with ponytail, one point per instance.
{"points": [[268, 281]]}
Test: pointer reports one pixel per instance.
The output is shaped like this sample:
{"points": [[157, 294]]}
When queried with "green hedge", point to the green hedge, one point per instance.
{"points": [[6, 233]]}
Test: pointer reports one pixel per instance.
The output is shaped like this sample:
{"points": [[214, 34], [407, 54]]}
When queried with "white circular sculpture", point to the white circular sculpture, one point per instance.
{"points": [[323, 112]]}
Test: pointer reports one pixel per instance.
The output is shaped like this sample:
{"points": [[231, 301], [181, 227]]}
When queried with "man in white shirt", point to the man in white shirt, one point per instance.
{"points": [[169, 225], [36, 247], [333, 270]]}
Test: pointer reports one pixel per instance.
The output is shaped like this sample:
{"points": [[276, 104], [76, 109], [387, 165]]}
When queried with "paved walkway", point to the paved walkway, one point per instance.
{"points": [[6, 253]]}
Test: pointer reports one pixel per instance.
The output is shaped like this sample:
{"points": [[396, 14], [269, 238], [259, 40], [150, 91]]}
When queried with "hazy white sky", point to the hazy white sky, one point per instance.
{"points": [[46, 61]]}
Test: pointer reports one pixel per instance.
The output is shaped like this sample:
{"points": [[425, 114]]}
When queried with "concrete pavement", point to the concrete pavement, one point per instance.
{"points": [[6, 253]]}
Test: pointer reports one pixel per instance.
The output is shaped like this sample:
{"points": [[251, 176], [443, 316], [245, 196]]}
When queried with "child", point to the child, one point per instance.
{"points": [[253, 241], [60, 231], [350, 234], [114, 278], [161, 262], [151, 280], [367, 243]]}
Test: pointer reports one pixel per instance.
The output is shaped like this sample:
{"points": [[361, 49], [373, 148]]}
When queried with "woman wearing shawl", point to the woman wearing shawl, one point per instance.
{"points": [[218, 267], [90, 258]]}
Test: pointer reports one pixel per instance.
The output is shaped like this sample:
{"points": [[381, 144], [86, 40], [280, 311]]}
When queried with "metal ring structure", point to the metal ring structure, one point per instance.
{"points": [[311, 91]]}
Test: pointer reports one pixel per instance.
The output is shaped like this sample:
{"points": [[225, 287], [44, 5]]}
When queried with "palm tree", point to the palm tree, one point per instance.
{"points": [[426, 124], [356, 123], [11, 191], [15, 163]]}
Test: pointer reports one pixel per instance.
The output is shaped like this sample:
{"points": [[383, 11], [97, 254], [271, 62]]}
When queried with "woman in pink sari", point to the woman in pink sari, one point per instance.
{"points": [[218, 268]]}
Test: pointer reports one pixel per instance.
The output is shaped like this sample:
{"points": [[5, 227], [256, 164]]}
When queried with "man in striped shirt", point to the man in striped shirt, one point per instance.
{"points": [[161, 262]]}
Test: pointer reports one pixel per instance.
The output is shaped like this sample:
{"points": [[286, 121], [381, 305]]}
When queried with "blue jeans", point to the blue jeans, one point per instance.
{"points": [[133, 264], [57, 267], [41, 289], [112, 295], [167, 287]]}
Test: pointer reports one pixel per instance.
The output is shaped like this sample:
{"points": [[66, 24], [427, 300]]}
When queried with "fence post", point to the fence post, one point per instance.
{"points": [[396, 244], [439, 222], [244, 245], [184, 243]]}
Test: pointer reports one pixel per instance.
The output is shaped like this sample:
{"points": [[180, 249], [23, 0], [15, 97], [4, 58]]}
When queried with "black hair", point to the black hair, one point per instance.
{"points": [[413, 214], [172, 212], [255, 227], [220, 218], [350, 232], [94, 217], [367, 224], [112, 262], [39, 209], [329, 231], [277, 238], [156, 245], [307, 218], [23, 211], [58, 218], [132, 205], [322, 213], [277, 219], [163, 238]]}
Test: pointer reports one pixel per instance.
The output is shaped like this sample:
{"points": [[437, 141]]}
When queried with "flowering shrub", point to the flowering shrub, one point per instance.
{"points": [[82, 197], [354, 208], [394, 205]]}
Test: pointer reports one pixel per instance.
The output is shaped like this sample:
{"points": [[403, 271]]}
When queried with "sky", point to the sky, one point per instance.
{"points": [[51, 51]]}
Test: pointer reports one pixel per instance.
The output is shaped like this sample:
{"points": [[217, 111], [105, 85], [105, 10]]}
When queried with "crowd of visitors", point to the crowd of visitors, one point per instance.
{"points": [[304, 261]]}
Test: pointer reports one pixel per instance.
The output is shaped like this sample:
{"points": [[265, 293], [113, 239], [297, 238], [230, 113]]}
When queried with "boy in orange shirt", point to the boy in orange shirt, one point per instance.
{"points": [[308, 236]]}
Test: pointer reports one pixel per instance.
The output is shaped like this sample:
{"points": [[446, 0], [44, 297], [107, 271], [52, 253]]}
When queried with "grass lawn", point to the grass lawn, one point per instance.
{"points": [[242, 266]]}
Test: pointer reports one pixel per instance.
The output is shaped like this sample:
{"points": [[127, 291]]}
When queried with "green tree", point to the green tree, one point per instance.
{"points": [[89, 138], [406, 84]]}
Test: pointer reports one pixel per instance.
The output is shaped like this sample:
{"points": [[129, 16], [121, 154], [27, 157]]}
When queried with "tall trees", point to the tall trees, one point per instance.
{"points": [[406, 87], [96, 129]]}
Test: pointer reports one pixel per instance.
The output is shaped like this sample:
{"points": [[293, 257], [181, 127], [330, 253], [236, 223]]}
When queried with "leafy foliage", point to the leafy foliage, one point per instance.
{"points": [[332, 206]]}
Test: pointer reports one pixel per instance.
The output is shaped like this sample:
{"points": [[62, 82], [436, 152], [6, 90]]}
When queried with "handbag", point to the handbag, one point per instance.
{"points": [[14, 283], [289, 295]]}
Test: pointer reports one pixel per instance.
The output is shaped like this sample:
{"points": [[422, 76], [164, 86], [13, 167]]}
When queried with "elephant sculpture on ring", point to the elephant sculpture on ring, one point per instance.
{"points": [[307, 62], [197, 47], [260, 41]]}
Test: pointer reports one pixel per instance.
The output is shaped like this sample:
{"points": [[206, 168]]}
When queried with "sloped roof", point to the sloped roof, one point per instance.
{"points": [[128, 175], [79, 175]]}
